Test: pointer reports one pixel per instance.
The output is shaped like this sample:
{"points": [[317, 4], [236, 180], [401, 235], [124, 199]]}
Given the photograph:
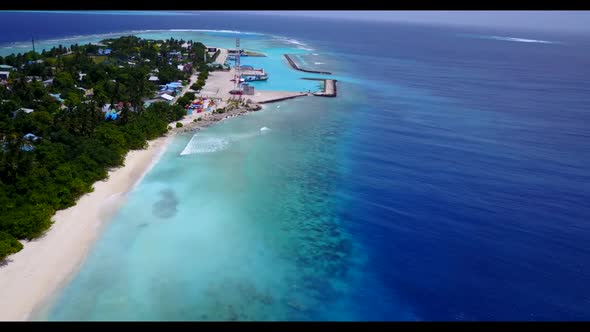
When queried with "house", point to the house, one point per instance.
{"points": [[32, 62], [188, 68], [4, 75], [6, 67], [166, 97], [154, 79], [106, 51], [174, 54], [248, 89], [48, 82], [31, 137], [185, 45], [57, 96], [26, 110], [30, 79], [180, 67]]}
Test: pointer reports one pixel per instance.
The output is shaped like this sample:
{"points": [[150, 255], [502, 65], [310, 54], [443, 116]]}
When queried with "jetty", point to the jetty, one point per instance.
{"points": [[295, 66], [329, 89], [264, 97]]}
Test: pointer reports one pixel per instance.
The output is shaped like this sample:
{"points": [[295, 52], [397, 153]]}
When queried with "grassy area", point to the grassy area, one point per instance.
{"points": [[99, 58]]}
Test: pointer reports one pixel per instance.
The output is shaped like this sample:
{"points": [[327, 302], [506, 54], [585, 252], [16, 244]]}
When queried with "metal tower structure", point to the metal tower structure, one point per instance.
{"points": [[237, 65]]}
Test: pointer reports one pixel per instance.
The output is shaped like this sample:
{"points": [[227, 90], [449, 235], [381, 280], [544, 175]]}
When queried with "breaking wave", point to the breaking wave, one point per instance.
{"points": [[203, 144]]}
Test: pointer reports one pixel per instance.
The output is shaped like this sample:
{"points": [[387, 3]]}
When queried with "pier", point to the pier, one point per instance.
{"points": [[265, 97], [295, 66], [329, 87]]}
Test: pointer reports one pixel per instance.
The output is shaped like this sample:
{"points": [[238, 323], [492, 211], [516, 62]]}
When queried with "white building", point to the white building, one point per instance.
{"points": [[167, 97]]}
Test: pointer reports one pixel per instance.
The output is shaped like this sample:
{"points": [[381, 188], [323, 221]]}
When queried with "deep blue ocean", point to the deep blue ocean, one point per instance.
{"points": [[463, 159]]}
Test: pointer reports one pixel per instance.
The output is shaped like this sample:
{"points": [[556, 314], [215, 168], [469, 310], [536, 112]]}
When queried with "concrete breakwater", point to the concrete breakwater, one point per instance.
{"points": [[329, 87], [295, 66]]}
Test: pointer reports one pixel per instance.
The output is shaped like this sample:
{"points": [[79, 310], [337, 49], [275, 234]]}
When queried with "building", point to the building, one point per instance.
{"points": [[30, 79], [25, 110], [48, 82], [174, 54], [106, 51], [4, 75], [6, 67], [166, 97], [153, 79], [248, 89], [31, 137]]}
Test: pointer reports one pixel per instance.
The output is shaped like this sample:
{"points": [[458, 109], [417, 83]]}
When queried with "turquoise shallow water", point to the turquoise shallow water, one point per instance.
{"points": [[235, 222], [454, 156], [231, 231]]}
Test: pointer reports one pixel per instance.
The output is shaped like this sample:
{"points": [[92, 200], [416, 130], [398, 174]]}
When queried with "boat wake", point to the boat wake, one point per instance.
{"points": [[512, 39]]}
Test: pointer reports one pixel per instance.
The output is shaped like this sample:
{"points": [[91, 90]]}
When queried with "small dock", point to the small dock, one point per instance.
{"points": [[295, 66]]}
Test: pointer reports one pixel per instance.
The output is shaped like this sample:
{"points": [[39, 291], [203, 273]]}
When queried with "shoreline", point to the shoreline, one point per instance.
{"points": [[32, 276]]}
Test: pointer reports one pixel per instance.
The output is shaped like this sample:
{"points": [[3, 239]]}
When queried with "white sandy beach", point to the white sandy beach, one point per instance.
{"points": [[45, 264]]}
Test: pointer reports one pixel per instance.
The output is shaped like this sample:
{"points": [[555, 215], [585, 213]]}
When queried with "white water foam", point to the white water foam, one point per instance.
{"points": [[204, 145], [200, 144], [100, 36], [318, 63]]}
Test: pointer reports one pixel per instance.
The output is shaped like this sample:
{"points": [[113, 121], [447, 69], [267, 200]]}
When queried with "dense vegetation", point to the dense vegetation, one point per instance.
{"points": [[72, 144]]}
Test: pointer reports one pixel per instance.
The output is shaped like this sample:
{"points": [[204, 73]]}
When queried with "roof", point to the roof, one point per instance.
{"points": [[57, 96], [6, 67], [153, 78], [27, 110], [167, 97], [180, 67], [31, 136], [5, 72]]}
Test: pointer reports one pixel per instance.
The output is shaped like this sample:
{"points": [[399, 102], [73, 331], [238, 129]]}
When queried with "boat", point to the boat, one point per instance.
{"points": [[256, 78]]}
